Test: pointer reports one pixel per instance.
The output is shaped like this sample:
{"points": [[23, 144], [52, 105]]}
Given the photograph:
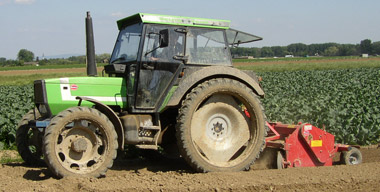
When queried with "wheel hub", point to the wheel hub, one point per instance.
{"points": [[217, 126], [79, 145], [353, 160]]}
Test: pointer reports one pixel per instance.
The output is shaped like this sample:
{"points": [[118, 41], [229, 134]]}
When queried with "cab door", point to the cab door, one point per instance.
{"points": [[159, 64]]}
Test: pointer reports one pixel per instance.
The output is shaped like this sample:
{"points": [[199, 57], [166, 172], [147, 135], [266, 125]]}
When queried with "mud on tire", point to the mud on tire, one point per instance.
{"points": [[221, 126], [80, 141]]}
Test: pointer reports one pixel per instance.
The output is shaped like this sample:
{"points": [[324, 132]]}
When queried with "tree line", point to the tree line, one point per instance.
{"points": [[366, 46], [301, 50], [25, 56]]}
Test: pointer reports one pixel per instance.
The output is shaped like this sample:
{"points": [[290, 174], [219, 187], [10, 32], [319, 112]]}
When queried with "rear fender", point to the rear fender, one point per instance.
{"points": [[111, 116], [198, 76]]}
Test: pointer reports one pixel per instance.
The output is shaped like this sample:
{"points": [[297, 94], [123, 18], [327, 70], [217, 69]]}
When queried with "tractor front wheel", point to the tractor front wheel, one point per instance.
{"points": [[220, 126], [80, 141]]}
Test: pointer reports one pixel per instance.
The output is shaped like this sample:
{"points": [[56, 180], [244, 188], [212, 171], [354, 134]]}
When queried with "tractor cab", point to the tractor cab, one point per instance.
{"points": [[152, 52]]}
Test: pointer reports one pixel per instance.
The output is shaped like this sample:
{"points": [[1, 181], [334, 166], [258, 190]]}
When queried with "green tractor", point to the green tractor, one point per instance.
{"points": [[170, 82]]}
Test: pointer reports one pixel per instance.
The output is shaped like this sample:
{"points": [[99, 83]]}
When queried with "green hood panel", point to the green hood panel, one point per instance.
{"points": [[61, 92]]}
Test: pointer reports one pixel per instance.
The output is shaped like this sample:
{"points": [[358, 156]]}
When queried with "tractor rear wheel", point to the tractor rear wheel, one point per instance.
{"points": [[29, 140], [80, 141], [221, 126]]}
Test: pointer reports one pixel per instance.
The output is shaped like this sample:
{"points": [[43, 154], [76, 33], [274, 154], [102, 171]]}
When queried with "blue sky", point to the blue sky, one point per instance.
{"points": [[56, 27]]}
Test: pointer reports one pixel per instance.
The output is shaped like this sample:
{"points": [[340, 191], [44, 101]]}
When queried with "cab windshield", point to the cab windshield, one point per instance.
{"points": [[127, 44]]}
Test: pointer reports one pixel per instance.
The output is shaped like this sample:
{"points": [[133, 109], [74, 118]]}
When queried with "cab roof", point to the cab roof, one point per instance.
{"points": [[173, 20], [234, 37]]}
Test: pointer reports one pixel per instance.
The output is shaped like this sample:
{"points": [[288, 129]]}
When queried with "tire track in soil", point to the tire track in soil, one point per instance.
{"points": [[175, 175]]}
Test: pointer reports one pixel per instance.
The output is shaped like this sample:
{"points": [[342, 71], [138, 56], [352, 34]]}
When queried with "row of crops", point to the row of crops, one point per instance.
{"points": [[346, 102]]}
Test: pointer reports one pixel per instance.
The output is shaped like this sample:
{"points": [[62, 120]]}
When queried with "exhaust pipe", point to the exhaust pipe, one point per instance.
{"points": [[90, 47]]}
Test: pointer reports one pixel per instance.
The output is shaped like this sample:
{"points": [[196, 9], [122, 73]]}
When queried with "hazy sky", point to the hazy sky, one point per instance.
{"points": [[56, 27]]}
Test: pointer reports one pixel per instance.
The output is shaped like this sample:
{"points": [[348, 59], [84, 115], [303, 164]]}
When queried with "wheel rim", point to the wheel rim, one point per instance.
{"points": [[81, 146], [221, 133], [353, 159]]}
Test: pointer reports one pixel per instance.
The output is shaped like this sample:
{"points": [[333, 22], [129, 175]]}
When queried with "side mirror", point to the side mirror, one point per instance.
{"points": [[164, 38]]}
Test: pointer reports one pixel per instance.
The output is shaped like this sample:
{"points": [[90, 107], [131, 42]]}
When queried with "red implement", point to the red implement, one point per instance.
{"points": [[303, 145]]}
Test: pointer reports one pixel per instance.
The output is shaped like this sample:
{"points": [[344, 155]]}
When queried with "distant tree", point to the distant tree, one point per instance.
{"points": [[297, 49], [315, 49], [43, 62], [103, 58], [366, 46], [376, 47], [347, 50], [266, 52], [331, 51], [279, 51], [78, 59], [25, 55], [245, 51], [2, 59]]}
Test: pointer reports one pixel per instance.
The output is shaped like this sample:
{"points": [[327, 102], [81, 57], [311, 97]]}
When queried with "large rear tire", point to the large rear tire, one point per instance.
{"points": [[80, 141], [29, 140], [221, 126]]}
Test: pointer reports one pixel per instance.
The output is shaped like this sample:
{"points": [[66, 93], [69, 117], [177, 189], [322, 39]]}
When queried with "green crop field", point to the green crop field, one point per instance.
{"points": [[307, 64], [15, 102], [342, 94], [346, 101]]}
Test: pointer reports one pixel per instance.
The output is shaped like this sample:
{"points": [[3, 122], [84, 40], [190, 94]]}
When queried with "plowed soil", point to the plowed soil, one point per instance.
{"points": [[175, 175]]}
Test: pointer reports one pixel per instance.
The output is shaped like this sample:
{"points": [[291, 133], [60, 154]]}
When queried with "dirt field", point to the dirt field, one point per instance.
{"points": [[175, 175]]}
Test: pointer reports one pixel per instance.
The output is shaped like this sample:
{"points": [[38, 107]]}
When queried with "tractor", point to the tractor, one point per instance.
{"points": [[170, 81]]}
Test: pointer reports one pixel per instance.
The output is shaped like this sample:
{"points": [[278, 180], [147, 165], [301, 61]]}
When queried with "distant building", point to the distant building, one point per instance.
{"points": [[243, 57], [31, 63]]}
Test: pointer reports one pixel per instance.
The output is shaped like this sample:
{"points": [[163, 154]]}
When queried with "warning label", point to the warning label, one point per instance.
{"points": [[316, 143]]}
